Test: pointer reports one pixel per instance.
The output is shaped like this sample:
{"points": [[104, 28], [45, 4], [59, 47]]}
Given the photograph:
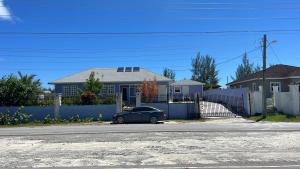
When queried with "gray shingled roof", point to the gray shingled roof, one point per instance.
{"points": [[186, 83], [111, 75]]}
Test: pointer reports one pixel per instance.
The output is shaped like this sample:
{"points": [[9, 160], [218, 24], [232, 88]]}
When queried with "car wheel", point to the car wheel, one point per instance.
{"points": [[120, 120], [153, 120]]}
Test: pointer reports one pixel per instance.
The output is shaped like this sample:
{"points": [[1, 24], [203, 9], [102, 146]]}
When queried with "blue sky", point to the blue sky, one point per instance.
{"points": [[54, 56]]}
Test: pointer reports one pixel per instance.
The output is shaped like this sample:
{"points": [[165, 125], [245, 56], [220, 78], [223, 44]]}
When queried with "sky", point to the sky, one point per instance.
{"points": [[52, 56]]}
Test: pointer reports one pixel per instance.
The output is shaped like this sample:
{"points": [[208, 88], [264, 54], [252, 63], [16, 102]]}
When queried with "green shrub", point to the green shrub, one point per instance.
{"points": [[20, 118], [88, 120], [109, 100], [71, 100], [5, 119], [45, 102], [100, 117], [75, 119], [17, 118], [47, 120]]}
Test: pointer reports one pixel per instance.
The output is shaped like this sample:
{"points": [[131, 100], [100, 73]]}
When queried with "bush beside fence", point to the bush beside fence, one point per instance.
{"points": [[66, 112]]}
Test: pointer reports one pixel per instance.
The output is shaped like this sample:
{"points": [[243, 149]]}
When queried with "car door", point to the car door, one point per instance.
{"points": [[145, 114], [136, 114]]}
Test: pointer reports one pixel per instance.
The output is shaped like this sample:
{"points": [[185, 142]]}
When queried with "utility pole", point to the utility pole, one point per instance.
{"points": [[264, 75]]}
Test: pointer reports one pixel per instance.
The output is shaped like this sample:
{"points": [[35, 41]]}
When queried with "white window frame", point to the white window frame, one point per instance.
{"points": [[177, 87], [70, 90], [271, 86], [108, 89]]}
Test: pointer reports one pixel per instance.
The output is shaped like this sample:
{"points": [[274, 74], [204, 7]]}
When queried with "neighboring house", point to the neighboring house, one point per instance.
{"points": [[277, 75], [114, 80], [185, 89]]}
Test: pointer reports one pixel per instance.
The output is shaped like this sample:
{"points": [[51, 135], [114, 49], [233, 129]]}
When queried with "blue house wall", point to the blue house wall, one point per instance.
{"points": [[131, 93], [192, 90]]}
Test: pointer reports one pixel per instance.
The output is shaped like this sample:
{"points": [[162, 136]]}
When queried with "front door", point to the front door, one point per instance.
{"points": [[125, 93]]}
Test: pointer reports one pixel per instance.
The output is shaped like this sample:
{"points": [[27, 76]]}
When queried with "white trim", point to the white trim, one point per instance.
{"points": [[271, 87], [179, 89]]}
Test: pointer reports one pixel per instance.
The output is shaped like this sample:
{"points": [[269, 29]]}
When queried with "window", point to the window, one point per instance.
{"points": [[107, 90], [70, 90], [133, 91], [272, 84], [110, 89], [177, 89]]}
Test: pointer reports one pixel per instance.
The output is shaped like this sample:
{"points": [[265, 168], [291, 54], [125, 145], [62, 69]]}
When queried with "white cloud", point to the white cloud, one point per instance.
{"points": [[5, 13]]}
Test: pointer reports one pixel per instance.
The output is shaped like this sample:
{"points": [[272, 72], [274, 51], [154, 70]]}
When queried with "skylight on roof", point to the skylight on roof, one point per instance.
{"points": [[128, 69], [136, 69], [120, 69]]}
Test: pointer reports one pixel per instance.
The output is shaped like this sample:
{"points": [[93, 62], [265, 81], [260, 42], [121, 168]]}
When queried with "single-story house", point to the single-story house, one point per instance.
{"points": [[114, 80], [277, 75], [185, 89]]}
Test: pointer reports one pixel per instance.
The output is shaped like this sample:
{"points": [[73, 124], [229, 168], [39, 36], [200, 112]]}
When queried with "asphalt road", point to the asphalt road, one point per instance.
{"points": [[215, 144]]}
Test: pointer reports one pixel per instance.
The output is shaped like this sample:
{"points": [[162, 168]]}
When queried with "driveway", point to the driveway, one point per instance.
{"points": [[213, 144]]}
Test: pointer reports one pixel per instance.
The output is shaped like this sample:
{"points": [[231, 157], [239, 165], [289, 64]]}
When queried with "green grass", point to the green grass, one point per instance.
{"points": [[275, 118]]}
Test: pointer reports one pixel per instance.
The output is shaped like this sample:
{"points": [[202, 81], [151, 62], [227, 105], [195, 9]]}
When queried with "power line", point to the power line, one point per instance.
{"points": [[155, 33], [237, 57], [274, 52]]}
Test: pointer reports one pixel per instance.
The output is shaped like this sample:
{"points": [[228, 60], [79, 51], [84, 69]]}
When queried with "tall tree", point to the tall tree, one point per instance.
{"points": [[204, 70], [19, 90], [169, 73], [245, 68], [93, 85]]}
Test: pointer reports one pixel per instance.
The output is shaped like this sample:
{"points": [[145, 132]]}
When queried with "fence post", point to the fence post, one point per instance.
{"points": [[118, 102], [138, 99], [57, 104], [294, 91]]}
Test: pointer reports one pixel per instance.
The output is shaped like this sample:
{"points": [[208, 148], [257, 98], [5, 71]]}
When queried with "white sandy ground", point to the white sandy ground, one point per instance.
{"points": [[148, 149]]}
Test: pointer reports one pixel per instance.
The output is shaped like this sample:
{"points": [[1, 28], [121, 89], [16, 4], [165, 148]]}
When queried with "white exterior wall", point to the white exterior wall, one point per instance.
{"points": [[256, 102], [288, 102]]}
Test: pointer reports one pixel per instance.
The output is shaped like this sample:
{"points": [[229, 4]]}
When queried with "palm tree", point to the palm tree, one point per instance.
{"points": [[31, 86]]}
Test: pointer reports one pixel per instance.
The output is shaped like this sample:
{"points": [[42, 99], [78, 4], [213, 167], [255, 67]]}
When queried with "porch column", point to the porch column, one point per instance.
{"points": [[138, 99]]}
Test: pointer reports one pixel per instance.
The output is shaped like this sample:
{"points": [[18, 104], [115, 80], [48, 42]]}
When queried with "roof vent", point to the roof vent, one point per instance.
{"points": [[136, 69], [128, 69], [120, 69]]}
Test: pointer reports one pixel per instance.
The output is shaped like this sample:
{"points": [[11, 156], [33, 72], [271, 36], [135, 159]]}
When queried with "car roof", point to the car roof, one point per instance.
{"points": [[146, 107]]}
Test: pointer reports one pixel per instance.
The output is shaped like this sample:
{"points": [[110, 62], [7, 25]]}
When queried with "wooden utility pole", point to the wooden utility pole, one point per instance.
{"points": [[264, 76]]}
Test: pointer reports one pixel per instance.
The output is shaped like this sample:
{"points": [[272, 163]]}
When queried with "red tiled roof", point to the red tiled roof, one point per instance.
{"points": [[276, 71]]}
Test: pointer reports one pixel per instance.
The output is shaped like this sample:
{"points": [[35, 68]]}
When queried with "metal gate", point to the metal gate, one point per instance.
{"points": [[222, 106]]}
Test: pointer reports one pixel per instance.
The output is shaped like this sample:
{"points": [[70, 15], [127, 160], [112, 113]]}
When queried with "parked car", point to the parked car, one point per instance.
{"points": [[140, 114]]}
